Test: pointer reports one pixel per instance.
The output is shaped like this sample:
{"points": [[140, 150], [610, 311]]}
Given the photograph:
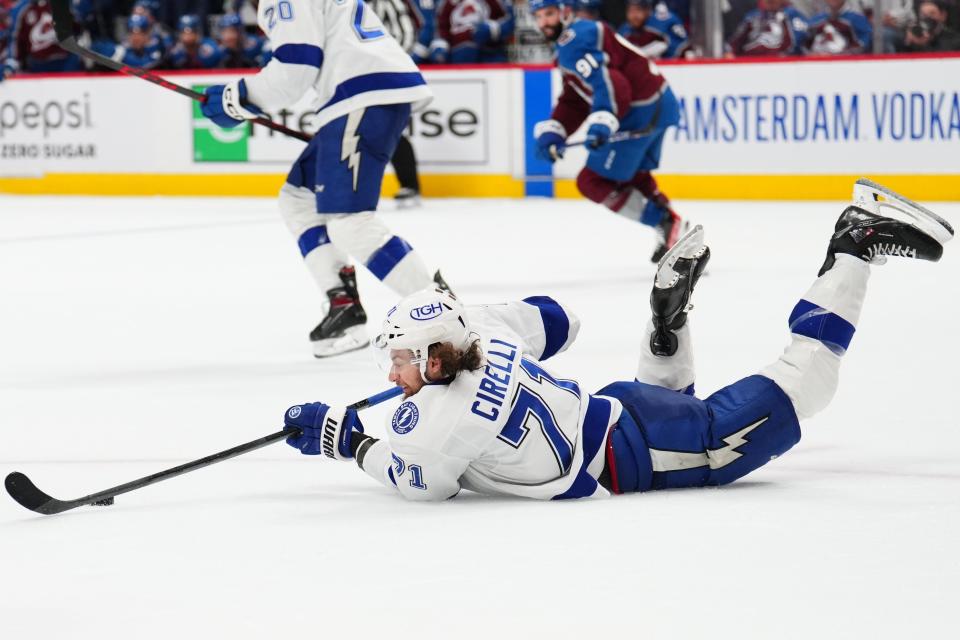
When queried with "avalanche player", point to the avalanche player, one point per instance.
{"points": [[610, 85], [193, 50], [839, 30], [469, 31], [363, 85], [32, 42], [483, 413], [656, 31]]}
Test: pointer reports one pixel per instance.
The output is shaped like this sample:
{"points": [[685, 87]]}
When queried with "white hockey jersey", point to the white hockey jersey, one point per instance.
{"points": [[507, 428], [340, 50]]}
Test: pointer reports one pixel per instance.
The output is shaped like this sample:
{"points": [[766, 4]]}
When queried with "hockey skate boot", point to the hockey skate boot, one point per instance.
{"points": [[669, 229], [677, 274], [343, 329], [407, 198], [881, 223]]}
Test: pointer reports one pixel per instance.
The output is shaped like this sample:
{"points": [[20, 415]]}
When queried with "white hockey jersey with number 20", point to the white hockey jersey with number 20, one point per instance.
{"points": [[509, 427], [340, 50]]}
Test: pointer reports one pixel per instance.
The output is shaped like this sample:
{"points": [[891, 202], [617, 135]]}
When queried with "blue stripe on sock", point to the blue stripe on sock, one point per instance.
{"points": [[384, 259], [556, 325], [816, 322], [313, 238]]}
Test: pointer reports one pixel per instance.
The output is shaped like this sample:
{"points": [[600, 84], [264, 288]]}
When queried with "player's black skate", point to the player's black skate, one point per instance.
{"points": [[881, 223], [343, 329], [669, 229], [677, 274]]}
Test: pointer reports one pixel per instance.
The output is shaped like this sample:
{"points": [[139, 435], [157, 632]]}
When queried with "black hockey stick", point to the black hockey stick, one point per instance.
{"points": [[22, 489], [64, 25]]}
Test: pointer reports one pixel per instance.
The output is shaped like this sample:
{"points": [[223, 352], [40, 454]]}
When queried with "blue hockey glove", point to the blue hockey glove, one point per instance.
{"points": [[323, 429], [600, 126], [227, 104], [551, 137]]}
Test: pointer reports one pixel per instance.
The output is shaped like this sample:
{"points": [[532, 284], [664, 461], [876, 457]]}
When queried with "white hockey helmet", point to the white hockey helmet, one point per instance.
{"points": [[419, 320]]}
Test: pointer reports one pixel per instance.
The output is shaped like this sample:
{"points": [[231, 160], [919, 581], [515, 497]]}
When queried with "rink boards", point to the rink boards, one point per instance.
{"points": [[799, 129]]}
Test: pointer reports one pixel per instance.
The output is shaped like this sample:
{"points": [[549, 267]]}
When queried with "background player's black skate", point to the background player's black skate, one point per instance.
{"points": [[677, 275], [343, 329], [882, 223]]}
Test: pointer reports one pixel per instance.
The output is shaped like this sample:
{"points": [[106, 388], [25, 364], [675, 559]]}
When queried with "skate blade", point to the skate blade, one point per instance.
{"points": [[354, 338], [882, 201], [689, 245]]}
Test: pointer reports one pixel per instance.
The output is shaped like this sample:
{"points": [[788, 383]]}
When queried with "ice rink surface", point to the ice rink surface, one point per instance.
{"points": [[136, 334]]}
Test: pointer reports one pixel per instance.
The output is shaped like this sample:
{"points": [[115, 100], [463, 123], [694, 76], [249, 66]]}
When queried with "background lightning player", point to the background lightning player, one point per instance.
{"points": [[610, 85], [364, 85], [483, 413]]}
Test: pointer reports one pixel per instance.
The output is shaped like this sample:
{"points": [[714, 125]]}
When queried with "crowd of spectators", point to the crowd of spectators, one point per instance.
{"points": [[209, 34], [152, 34], [842, 27]]}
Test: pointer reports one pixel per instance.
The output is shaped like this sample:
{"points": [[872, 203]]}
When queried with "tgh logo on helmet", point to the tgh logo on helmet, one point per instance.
{"points": [[427, 311]]}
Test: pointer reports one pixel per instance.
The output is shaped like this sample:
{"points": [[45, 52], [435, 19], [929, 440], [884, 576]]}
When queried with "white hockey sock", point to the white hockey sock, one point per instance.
{"points": [[822, 324], [673, 372], [387, 256], [298, 207]]}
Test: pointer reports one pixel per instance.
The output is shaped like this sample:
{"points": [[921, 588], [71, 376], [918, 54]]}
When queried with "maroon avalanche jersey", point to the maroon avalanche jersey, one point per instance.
{"points": [[456, 19], [32, 34]]}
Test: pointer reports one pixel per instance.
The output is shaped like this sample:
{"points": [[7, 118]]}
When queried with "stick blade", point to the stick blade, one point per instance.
{"points": [[22, 489]]}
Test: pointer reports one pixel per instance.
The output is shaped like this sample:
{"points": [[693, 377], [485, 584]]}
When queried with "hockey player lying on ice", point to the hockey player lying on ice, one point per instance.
{"points": [[482, 413]]}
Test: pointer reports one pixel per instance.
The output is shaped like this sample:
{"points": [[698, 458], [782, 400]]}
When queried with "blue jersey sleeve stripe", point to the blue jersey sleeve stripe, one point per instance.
{"points": [[307, 54], [807, 319], [556, 324], [390, 475], [312, 238], [384, 259], [595, 425]]}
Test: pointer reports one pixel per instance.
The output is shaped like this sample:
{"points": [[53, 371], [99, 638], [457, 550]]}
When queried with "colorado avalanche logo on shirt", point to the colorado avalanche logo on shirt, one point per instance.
{"points": [[405, 419]]}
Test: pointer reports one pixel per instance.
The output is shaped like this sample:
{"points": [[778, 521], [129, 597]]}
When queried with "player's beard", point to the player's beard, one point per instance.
{"points": [[552, 31]]}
